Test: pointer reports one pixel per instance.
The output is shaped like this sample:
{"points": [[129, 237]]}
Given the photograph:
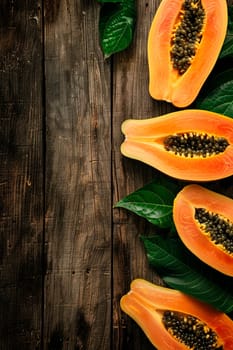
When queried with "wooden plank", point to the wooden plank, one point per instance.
{"points": [[21, 175], [131, 100], [78, 180]]}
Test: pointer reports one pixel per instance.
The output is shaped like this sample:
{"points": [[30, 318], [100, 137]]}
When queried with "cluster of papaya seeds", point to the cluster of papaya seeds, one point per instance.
{"points": [[204, 222], [182, 33], [189, 144], [173, 320]]}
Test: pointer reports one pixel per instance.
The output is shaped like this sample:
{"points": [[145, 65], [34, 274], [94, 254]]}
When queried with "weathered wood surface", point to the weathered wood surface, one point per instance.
{"points": [[78, 180], [21, 175], [66, 256]]}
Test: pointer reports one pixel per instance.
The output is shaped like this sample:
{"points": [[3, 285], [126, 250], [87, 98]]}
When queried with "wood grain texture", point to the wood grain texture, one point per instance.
{"points": [[131, 100], [66, 255], [78, 180], [21, 175]]}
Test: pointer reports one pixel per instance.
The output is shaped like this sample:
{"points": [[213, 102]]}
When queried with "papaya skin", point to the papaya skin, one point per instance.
{"points": [[164, 81], [195, 196], [145, 302], [144, 141]]}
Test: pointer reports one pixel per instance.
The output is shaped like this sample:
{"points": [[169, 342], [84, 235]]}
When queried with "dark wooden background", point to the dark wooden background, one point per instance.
{"points": [[66, 256]]}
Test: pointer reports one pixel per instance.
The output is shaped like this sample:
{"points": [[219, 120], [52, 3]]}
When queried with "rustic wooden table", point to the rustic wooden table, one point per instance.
{"points": [[66, 256]]}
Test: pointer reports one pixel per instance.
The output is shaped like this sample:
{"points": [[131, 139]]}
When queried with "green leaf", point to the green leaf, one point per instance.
{"points": [[116, 26], [181, 270], [227, 48], [154, 202], [217, 95]]}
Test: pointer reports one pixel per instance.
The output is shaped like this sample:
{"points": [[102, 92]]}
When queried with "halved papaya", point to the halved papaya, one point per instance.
{"points": [[184, 42], [188, 144], [173, 320], [204, 222]]}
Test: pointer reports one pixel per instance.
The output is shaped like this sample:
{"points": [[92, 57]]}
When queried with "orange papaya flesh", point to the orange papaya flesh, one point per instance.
{"points": [[204, 222], [197, 325], [190, 144], [184, 42]]}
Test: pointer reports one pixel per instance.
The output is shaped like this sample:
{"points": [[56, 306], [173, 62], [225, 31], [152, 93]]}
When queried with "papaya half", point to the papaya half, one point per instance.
{"points": [[204, 222], [173, 320], [189, 144], [184, 42]]}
